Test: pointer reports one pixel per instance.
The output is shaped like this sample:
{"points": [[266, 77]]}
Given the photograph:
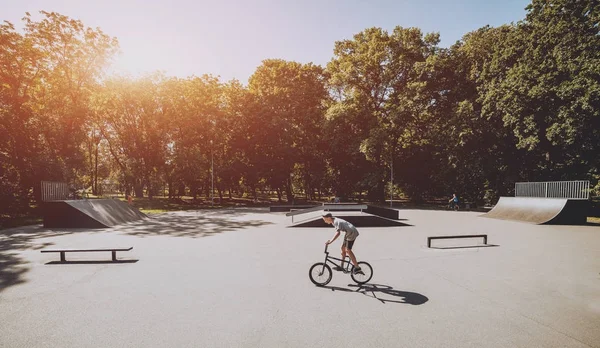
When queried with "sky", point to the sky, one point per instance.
{"points": [[230, 38]]}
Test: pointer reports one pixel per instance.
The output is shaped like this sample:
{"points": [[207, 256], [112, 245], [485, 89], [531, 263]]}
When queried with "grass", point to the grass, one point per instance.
{"points": [[153, 211], [593, 220], [158, 205]]}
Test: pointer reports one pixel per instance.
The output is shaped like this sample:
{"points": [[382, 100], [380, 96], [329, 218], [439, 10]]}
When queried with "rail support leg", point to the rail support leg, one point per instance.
{"points": [[114, 255], [62, 256]]}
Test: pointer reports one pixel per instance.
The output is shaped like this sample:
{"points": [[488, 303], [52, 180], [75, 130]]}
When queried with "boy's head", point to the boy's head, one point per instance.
{"points": [[328, 218]]}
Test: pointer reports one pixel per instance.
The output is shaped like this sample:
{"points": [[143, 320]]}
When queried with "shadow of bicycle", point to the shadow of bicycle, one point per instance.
{"points": [[384, 293]]}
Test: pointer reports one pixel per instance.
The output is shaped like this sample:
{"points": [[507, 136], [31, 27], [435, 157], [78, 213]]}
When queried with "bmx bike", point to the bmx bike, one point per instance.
{"points": [[454, 206], [320, 273]]}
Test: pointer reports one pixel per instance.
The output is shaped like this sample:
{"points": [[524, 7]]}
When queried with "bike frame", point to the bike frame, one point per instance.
{"points": [[328, 259]]}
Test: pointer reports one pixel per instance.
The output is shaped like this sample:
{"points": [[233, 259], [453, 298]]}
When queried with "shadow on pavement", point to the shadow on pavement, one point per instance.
{"points": [[191, 224], [384, 293], [12, 266], [468, 247], [88, 262]]}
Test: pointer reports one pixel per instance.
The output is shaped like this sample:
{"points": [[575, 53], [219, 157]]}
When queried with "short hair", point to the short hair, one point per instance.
{"points": [[328, 215]]}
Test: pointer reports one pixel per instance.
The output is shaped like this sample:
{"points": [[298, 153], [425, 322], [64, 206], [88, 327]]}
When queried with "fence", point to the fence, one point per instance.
{"points": [[54, 191], [579, 189], [109, 189]]}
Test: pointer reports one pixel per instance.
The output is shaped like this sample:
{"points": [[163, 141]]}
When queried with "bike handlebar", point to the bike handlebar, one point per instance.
{"points": [[326, 246]]}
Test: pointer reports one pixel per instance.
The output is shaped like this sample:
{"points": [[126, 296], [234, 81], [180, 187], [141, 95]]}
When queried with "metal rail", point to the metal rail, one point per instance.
{"points": [[578, 189]]}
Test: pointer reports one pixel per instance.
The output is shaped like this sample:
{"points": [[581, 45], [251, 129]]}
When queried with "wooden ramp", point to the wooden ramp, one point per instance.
{"points": [[89, 213]]}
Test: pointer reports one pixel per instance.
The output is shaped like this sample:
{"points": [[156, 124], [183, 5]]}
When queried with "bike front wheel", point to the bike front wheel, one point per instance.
{"points": [[320, 274], [366, 273]]}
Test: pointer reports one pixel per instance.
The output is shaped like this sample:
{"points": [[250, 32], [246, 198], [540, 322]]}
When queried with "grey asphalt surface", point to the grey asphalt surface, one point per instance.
{"points": [[239, 278]]}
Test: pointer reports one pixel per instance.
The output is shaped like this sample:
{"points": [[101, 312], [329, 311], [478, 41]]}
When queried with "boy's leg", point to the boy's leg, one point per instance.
{"points": [[343, 253], [349, 245], [353, 258]]}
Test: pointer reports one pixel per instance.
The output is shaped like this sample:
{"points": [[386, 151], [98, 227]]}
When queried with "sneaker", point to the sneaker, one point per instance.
{"points": [[338, 268], [358, 270]]}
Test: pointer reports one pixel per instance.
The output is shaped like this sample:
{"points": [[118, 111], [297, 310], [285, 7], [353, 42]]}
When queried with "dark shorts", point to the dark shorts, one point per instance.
{"points": [[349, 243]]}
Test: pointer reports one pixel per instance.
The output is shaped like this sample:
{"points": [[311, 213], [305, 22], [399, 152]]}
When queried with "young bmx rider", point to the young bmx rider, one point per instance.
{"points": [[349, 239]]}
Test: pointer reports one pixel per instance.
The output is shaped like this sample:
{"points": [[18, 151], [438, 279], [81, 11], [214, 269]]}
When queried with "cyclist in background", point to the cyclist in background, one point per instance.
{"points": [[453, 201]]}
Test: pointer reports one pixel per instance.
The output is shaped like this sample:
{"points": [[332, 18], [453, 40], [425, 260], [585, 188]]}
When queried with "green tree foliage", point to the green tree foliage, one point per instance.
{"points": [[47, 76], [512, 103], [378, 80], [287, 126], [195, 125], [550, 95], [479, 153], [241, 170], [134, 124]]}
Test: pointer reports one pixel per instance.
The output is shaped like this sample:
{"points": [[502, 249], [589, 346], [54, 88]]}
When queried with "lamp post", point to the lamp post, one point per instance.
{"points": [[392, 181], [212, 175]]}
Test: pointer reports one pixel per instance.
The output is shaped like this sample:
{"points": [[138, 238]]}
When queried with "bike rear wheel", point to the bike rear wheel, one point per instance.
{"points": [[367, 273], [320, 274]]}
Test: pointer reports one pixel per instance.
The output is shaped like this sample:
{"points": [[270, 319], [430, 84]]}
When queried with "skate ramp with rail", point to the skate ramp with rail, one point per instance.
{"points": [[360, 215], [555, 211], [89, 213]]}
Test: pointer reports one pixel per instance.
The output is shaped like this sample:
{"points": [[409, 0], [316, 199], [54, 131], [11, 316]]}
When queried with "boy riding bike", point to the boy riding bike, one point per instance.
{"points": [[349, 239]]}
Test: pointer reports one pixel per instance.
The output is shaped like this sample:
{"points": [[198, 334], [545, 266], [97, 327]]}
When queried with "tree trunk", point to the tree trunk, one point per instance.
{"points": [[381, 191], [95, 176], [207, 188], [288, 190], [138, 188]]}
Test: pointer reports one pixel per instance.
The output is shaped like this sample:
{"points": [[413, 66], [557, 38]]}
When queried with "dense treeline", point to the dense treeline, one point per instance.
{"points": [[519, 102]]}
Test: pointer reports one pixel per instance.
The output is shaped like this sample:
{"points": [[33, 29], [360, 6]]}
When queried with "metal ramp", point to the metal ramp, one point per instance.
{"points": [[536, 210], [360, 215], [92, 213]]}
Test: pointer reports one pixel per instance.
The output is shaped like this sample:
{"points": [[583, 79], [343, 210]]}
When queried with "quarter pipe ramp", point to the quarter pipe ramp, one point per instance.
{"points": [[560, 211]]}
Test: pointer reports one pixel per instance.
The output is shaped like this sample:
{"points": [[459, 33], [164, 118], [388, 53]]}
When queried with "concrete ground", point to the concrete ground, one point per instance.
{"points": [[239, 278]]}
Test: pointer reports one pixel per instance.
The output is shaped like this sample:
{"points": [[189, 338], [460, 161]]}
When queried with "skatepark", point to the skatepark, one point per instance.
{"points": [[179, 185], [239, 278]]}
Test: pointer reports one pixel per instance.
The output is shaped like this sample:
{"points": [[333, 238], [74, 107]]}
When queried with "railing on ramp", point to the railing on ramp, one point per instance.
{"points": [[577, 189]]}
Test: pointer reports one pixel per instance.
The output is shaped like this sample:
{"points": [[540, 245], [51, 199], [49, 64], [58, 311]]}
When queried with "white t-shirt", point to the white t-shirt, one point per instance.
{"points": [[345, 226]]}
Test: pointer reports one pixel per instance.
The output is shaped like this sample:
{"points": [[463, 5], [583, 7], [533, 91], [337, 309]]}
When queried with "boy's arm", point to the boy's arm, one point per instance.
{"points": [[337, 234]]}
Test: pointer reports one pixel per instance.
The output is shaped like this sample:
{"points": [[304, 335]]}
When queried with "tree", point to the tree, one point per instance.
{"points": [[48, 74], [550, 97], [287, 126], [377, 80], [477, 156], [195, 114], [133, 124]]}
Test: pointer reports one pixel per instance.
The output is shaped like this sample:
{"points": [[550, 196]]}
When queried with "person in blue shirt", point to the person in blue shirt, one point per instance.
{"points": [[454, 201]]}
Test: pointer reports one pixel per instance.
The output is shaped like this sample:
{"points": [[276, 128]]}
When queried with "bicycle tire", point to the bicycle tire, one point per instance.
{"points": [[325, 272], [366, 269]]}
